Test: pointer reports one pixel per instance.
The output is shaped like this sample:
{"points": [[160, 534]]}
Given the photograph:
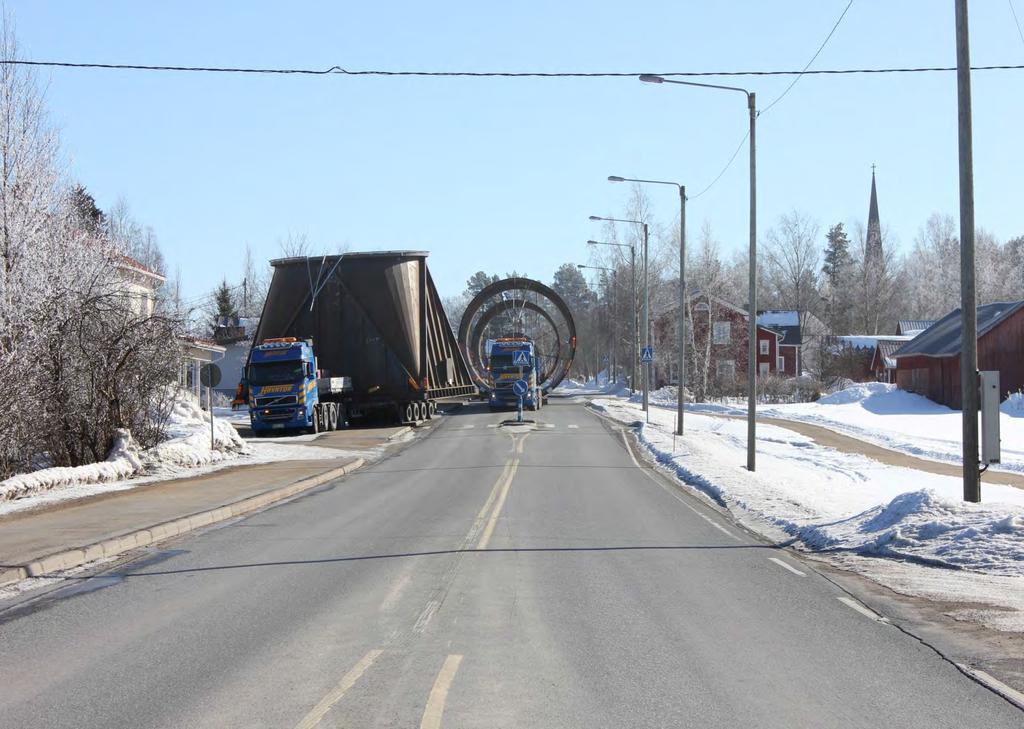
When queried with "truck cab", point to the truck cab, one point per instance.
{"points": [[284, 390], [512, 359]]}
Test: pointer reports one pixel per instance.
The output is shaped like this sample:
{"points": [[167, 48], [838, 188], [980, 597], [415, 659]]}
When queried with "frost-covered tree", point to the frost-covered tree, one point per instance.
{"points": [[792, 259], [837, 271]]}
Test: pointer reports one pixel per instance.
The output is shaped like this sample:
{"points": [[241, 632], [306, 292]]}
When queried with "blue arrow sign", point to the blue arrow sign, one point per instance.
{"points": [[520, 387], [647, 354], [522, 357]]}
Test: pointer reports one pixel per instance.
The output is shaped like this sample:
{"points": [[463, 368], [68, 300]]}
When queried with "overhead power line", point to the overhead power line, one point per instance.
{"points": [[339, 71], [777, 99]]}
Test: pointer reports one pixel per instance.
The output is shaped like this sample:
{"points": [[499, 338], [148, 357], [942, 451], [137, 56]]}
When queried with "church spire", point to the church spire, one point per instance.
{"points": [[874, 233]]}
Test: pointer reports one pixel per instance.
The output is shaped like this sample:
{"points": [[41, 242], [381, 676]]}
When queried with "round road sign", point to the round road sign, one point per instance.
{"points": [[520, 387], [209, 375]]}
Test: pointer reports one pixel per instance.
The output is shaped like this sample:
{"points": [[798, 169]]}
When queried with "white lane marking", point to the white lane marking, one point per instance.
{"points": [[549, 425], [1010, 694], [784, 565], [470, 426], [674, 495], [850, 602], [492, 425], [439, 693], [425, 616], [573, 425], [335, 695]]}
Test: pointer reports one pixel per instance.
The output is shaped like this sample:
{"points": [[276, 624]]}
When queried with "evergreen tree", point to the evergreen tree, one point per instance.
{"points": [[478, 282], [83, 205], [837, 270], [225, 307]]}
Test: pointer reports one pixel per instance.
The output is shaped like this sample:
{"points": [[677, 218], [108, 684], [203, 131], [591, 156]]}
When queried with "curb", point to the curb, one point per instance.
{"points": [[114, 546]]}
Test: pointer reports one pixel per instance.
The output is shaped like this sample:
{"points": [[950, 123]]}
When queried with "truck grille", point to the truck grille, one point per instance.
{"points": [[264, 402]]}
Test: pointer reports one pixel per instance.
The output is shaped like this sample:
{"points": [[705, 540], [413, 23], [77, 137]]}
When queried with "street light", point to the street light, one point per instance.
{"points": [[613, 360], [636, 314], [680, 395], [752, 304], [647, 303]]}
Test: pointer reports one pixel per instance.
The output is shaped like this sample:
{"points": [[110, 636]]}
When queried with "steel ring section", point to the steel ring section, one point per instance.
{"points": [[527, 284], [502, 306]]}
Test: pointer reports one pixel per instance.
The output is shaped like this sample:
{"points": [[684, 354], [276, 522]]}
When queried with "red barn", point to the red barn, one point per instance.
{"points": [[929, 364]]}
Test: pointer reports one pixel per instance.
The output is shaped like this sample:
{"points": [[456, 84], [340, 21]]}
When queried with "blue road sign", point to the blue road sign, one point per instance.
{"points": [[522, 357], [520, 387], [647, 354]]}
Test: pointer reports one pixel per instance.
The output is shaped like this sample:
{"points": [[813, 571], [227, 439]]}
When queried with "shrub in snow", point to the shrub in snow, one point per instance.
{"points": [[187, 445], [1014, 405]]}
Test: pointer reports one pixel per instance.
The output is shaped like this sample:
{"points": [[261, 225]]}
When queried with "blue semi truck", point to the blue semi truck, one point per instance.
{"points": [[286, 393], [511, 359]]}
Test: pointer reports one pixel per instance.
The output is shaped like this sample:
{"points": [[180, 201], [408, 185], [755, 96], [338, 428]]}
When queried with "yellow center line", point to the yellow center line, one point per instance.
{"points": [[485, 538], [335, 695], [439, 693]]}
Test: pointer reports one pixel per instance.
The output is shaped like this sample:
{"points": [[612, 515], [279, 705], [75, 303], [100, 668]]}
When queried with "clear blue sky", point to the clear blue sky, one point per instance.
{"points": [[499, 174]]}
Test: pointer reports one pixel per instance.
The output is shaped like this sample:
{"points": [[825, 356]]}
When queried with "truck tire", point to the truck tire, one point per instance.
{"points": [[419, 412], [410, 413], [332, 416], [316, 420]]}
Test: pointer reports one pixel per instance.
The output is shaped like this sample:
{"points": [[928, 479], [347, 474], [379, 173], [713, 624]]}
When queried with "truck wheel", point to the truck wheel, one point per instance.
{"points": [[316, 420], [420, 415], [433, 408], [410, 413], [332, 416]]}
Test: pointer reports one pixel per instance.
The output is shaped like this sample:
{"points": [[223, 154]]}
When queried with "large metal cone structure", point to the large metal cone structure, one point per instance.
{"points": [[374, 317]]}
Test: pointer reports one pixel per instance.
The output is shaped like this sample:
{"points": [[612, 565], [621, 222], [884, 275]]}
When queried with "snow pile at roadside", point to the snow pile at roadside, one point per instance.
{"points": [[892, 418], [844, 506], [124, 460], [924, 526], [188, 439], [187, 446], [600, 385]]}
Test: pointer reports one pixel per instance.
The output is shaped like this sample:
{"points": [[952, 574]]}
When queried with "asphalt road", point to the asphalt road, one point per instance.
{"points": [[477, 578]]}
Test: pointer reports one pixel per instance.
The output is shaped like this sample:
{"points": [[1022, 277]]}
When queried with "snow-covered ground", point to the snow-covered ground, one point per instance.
{"points": [[600, 385], [902, 421], [186, 451], [852, 510]]}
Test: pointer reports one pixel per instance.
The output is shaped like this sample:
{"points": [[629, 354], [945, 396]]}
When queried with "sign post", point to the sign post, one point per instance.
{"points": [[209, 375], [647, 356], [520, 388]]}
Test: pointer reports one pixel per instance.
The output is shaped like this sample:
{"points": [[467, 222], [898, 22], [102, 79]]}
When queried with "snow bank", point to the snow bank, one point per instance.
{"points": [[883, 414], [846, 506], [187, 446]]}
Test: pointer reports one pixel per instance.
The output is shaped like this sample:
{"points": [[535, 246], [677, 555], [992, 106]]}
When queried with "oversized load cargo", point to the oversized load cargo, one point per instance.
{"points": [[375, 318]]}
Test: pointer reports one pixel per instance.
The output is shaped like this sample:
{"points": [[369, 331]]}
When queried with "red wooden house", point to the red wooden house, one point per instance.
{"points": [[929, 364]]}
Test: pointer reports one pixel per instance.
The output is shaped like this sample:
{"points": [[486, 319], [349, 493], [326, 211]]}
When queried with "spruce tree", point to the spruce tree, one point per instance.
{"points": [[837, 267], [226, 310]]}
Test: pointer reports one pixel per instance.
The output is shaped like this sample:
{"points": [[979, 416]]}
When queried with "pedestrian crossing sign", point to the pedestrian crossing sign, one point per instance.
{"points": [[521, 357], [647, 354]]}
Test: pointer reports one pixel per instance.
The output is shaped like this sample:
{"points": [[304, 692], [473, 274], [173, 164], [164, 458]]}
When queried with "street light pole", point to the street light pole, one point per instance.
{"points": [[681, 394], [647, 331], [752, 303], [632, 265], [613, 328]]}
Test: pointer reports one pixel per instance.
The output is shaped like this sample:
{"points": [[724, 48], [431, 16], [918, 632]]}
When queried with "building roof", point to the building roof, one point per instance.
{"points": [[887, 347], [942, 339], [124, 261], [784, 321], [912, 327]]}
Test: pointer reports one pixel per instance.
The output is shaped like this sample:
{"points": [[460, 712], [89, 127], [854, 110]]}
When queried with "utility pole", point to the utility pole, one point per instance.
{"points": [[968, 300], [681, 388], [647, 326], [752, 313]]}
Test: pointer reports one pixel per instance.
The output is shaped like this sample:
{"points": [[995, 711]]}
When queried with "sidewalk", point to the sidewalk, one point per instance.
{"points": [[68, 534], [849, 444]]}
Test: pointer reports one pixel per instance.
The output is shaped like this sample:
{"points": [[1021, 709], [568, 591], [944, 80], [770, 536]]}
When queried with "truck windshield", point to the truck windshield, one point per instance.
{"points": [[501, 361], [275, 373]]}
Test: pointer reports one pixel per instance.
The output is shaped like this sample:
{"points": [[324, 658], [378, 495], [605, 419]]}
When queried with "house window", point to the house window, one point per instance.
{"points": [[780, 364], [763, 368], [725, 369], [721, 332], [764, 346]]}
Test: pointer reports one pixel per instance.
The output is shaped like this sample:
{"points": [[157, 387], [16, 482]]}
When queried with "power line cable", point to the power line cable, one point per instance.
{"points": [[813, 58], [339, 71], [777, 99], [1016, 22]]}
